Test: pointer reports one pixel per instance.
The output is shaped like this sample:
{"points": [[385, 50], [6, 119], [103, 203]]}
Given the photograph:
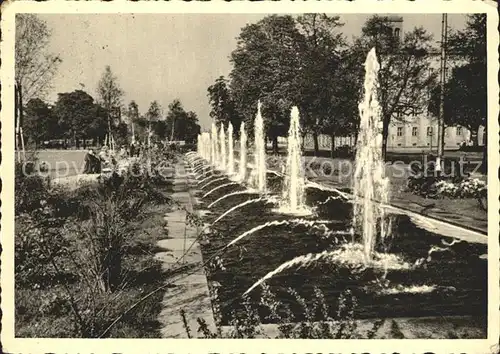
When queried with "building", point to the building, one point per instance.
{"points": [[420, 132]]}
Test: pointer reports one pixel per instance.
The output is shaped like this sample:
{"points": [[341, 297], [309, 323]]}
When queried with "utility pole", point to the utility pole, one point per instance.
{"points": [[441, 127]]}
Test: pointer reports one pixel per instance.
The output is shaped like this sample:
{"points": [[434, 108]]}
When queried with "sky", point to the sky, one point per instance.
{"points": [[164, 57]]}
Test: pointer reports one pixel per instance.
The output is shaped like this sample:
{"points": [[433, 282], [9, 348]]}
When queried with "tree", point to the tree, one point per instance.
{"points": [[34, 67], [466, 93], [181, 125], [133, 116], [266, 67], [342, 112], [40, 123], [404, 75], [77, 115], [223, 106], [110, 96], [320, 74], [153, 115], [465, 99]]}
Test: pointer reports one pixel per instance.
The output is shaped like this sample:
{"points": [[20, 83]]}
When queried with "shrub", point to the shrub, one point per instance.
{"points": [[71, 249], [30, 188], [38, 242]]}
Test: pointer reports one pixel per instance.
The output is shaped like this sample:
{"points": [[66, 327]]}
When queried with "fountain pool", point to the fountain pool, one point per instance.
{"points": [[423, 276], [391, 262]]}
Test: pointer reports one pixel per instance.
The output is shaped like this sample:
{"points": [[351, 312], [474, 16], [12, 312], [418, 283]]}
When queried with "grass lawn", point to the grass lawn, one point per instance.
{"points": [[62, 163], [338, 172]]}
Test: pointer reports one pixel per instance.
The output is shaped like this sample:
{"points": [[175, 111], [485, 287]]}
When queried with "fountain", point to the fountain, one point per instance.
{"points": [[230, 161], [222, 144], [370, 187], [219, 187], [259, 152], [248, 191], [199, 149], [215, 152], [423, 273], [206, 146], [243, 152], [245, 203], [293, 192], [213, 181], [305, 222]]}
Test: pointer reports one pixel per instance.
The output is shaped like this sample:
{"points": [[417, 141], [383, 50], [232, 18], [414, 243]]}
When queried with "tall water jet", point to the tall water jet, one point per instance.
{"points": [[207, 146], [230, 147], [214, 140], [370, 185], [294, 186], [259, 151], [243, 152], [222, 143]]}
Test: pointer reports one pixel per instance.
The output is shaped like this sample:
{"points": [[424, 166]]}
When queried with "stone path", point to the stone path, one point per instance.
{"points": [[189, 292]]}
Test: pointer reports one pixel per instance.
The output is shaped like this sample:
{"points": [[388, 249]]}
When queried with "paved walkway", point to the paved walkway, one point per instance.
{"points": [[190, 292]]}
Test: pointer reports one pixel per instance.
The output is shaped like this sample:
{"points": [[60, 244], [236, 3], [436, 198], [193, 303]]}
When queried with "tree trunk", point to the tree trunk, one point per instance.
{"points": [[332, 145], [385, 134], [275, 144], [316, 144]]}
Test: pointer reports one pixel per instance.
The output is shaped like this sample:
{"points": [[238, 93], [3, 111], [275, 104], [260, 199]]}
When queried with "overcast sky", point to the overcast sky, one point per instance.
{"points": [[162, 57]]}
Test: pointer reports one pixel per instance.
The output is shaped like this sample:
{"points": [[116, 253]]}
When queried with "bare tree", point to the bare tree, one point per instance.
{"points": [[35, 67]]}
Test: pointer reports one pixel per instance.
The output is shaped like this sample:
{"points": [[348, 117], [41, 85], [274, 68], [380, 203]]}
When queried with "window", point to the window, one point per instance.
{"points": [[400, 131], [429, 131], [414, 131], [459, 130], [396, 32]]}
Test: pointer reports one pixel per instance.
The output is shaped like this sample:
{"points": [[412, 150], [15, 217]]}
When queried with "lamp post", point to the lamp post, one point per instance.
{"points": [[440, 142]]}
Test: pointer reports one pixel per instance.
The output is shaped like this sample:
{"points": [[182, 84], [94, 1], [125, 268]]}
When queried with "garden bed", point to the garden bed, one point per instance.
{"points": [[452, 282], [62, 244]]}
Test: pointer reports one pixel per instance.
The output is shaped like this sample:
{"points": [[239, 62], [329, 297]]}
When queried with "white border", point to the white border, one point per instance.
{"points": [[11, 344]]}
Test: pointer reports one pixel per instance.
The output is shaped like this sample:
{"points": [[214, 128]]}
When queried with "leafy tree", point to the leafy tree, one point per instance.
{"points": [[99, 127], [160, 128], [342, 112], [110, 96], [154, 112], [266, 64], [404, 76], [465, 96], [40, 123], [181, 125], [78, 116], [152, 116], [122, 133], [35, 67], [223, 106], [133, 116], [320, 74]]}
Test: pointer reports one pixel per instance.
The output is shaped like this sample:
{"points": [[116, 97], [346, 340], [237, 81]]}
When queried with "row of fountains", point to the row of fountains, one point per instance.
{"points": [[215, 161], [369, 185]]}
